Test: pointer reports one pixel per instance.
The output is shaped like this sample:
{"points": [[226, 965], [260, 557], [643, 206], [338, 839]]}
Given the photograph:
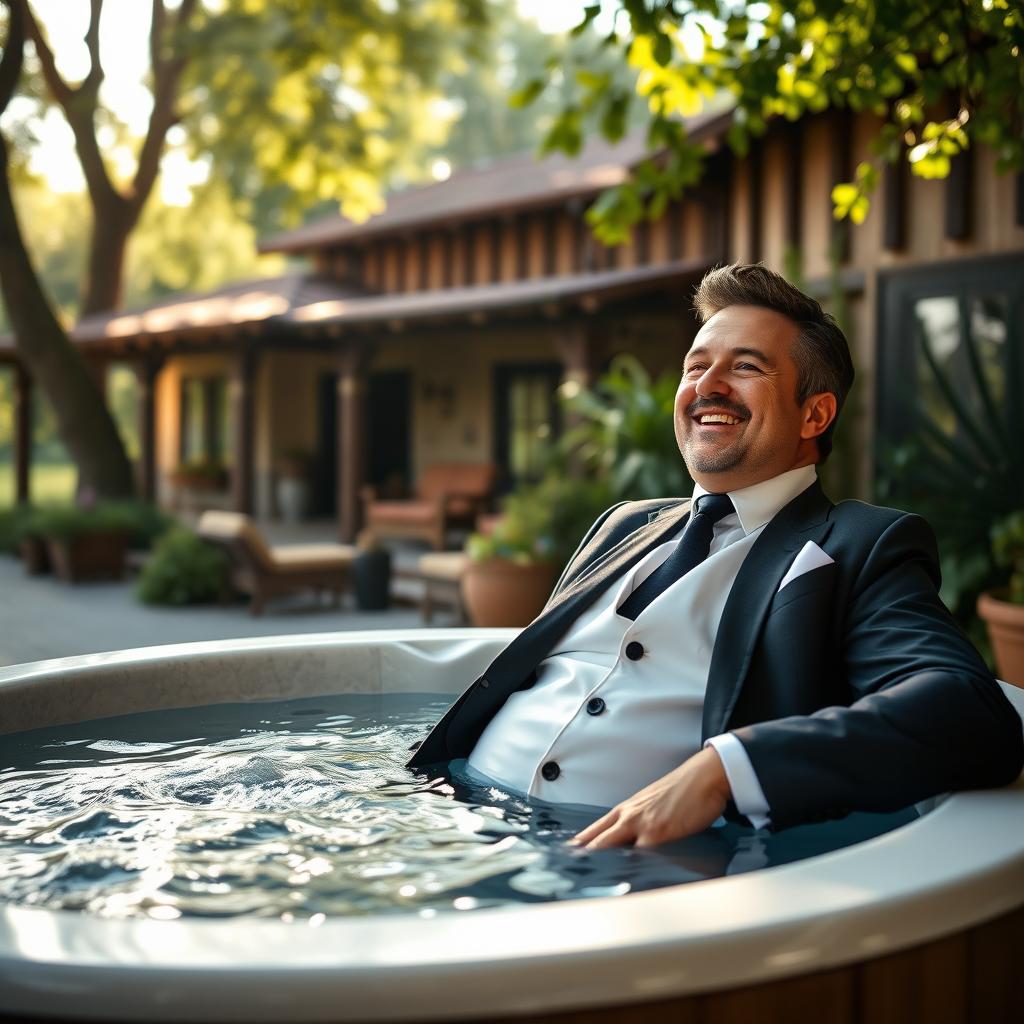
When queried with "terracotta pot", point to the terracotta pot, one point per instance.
{"points": [[89, 556], [502, 593], [1005, 623]]}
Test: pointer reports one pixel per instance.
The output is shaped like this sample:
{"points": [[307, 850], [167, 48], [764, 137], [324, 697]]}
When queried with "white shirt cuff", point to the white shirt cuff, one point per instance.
{"points": [[747, 794]]}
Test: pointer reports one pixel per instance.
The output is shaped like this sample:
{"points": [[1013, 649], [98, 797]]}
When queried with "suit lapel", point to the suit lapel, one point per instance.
{"points": [[564, 609], [804, 518]]}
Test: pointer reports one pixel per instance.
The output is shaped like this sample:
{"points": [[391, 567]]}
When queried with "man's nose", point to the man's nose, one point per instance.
{"points": [[711, 382]]}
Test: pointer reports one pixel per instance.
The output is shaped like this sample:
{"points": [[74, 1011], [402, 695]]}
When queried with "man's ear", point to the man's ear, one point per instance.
{"points": [[819, 412]]}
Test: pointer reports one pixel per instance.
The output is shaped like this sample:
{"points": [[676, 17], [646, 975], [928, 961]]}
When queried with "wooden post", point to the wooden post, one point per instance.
{"points": [[959, 184], [241, 392], [842, 125], [894, 199], [353, 357], [146, 371], [22, 432], [755, 192], [795, 185]]}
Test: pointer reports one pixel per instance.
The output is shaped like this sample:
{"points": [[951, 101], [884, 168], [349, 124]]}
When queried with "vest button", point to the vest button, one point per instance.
{"points": [[595, 706], [551, 771], [634, 650], [484, 683]]}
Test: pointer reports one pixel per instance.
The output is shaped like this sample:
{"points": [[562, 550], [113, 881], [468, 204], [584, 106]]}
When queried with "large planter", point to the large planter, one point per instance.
{"points": [[88, 556], [1005, 623], [371, 578], [497, 592], [34, 555]]}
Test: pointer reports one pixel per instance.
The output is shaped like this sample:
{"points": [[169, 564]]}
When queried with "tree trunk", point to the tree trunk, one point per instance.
{"points": [[111, 227], [84, 423]]}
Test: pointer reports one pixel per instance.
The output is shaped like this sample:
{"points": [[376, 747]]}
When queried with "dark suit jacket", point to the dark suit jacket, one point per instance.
{"points": [[851, 689]]}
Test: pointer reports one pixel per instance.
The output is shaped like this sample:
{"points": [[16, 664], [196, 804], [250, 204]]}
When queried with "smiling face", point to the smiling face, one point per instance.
{"points": [[737, 420]]}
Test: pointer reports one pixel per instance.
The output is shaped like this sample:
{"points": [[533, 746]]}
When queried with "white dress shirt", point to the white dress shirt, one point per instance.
{"points": [[618, 702]]}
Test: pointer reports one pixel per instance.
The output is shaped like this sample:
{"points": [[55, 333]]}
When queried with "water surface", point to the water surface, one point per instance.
{"points": [[303, 810]]}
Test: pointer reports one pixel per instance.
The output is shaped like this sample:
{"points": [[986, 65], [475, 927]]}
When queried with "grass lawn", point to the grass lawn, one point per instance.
{"points": [[47, 484]]}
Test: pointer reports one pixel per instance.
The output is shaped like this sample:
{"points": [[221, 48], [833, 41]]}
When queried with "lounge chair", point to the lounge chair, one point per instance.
{"points": [[448, 494], [264, 571]]}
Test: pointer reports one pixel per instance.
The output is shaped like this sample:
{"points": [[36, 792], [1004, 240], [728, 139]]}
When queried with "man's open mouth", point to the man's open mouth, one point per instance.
{"points": [[706, 419]]}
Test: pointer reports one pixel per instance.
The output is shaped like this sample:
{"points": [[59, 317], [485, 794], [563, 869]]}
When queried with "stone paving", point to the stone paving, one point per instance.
{"points": [[43, 618]]}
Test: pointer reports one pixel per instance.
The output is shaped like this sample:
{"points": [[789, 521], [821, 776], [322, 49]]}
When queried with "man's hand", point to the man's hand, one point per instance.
{"points": [[685, 801]]}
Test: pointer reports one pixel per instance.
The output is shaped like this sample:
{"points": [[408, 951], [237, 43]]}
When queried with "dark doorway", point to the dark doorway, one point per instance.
{"points": [[325, 471], [389, 432], [526, 420]]}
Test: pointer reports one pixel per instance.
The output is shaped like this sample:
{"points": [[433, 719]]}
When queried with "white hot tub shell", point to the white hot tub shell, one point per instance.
{"points": [[953, 869]]}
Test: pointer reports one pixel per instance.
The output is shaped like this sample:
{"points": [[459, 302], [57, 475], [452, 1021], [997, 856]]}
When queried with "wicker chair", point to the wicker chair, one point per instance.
{"points": [[263, 571], [448, 494]]}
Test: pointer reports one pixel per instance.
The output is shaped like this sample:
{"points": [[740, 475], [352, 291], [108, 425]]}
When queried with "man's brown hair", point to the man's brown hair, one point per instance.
{"points": [[821, 352]]}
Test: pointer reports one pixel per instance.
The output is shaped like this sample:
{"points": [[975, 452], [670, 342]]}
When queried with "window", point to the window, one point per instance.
{"points": [[526, 425], [205, 420], [954, 324]]}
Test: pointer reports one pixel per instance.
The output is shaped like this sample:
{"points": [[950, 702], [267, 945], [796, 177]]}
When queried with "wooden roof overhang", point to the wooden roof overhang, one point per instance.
{"points": [[300, 312], [499, 188]]}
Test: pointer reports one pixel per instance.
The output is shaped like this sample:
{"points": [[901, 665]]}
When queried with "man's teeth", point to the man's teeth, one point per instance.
{"points": [[718, 417]]}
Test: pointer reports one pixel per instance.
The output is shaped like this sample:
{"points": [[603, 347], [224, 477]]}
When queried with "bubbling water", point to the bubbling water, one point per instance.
{"points": [[303, 810]]}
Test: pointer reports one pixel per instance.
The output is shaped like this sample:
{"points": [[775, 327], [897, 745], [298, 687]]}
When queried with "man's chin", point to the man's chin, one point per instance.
{"points": [[699, 459]]}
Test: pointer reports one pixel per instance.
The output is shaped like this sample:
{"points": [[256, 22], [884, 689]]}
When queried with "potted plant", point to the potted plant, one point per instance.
{"points": [[200, 474], [371, 573], [1003, 609], [85, 542], [292, 485], [514, 565]]}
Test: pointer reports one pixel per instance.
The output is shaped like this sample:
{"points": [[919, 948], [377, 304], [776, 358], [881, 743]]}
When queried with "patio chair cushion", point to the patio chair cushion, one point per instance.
{"points": [[313, 556], [444, 565], [234, 526], [404, 512]]}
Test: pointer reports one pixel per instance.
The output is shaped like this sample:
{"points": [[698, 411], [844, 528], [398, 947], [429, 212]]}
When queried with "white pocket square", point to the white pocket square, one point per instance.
{"points": [[810, 557]]}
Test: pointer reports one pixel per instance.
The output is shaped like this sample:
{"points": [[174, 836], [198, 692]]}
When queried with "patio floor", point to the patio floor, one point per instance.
{"points": [[43, 618]]}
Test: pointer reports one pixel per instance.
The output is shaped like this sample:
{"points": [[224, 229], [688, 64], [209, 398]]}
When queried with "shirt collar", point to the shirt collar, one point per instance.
{"points": [[757, 504]]}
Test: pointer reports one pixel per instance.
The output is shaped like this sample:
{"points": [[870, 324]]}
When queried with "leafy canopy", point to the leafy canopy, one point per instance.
{"points": [[942, 75]]}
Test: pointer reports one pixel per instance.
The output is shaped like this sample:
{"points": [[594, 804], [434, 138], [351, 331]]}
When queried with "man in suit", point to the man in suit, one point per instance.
{"points": [[755, 651]]}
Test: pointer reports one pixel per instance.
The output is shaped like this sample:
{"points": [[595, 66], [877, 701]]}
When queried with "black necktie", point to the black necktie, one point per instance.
{"points": [[692, 549]]}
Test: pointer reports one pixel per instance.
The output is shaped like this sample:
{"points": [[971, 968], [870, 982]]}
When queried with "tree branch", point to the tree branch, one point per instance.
{"points": [[157, 22], [14, 53], [92, 42], [79, 105], [62, 92], [167, 72]]}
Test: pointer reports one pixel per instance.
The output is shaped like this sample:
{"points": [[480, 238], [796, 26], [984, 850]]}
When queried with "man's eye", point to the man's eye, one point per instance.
{"points": [[748, 366], [694, 368]]}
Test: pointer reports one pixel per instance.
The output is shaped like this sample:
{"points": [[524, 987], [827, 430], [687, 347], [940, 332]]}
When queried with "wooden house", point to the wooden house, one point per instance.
{"points": [[440, 329]]}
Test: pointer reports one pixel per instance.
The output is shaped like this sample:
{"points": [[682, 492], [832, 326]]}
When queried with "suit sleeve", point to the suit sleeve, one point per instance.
{"points": [[927, 717]]}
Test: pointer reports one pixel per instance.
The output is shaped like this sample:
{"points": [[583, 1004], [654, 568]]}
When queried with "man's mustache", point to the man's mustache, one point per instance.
{"points": [[699, 405]]}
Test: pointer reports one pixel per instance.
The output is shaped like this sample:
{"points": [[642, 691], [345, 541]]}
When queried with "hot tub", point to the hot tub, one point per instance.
{"points": [[925, 922]]}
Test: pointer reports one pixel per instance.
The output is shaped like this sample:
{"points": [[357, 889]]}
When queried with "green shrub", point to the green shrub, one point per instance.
{"points": [[623, 433], [1008, 549], [65, 522], [149, 523], [13, 527], [183, 569], [143, 521], [544, 522]]}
